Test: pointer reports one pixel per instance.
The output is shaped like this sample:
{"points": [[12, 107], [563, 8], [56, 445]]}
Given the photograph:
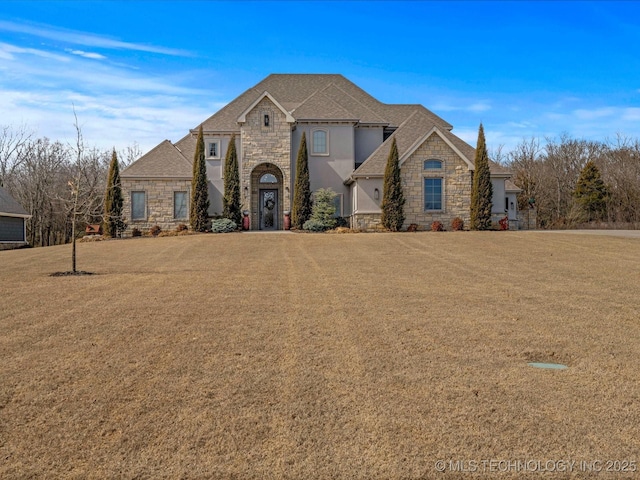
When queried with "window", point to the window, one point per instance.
{"points": [[266, 119], [268, 178], [138, 205], [213, 149], [180, 205], [337, 202], [433, 194], [432, 165], [319, 143]]}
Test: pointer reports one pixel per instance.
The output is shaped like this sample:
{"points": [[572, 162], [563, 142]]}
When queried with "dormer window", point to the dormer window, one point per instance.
{"points": [[266, 119]]}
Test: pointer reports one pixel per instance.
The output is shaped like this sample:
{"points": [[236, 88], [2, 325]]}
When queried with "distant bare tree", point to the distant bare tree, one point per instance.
{"points": [[130, 154], [14, 149]]}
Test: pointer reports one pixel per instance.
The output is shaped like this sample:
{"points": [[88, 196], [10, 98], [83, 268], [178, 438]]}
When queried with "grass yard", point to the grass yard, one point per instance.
{"points": [[320, 356]]}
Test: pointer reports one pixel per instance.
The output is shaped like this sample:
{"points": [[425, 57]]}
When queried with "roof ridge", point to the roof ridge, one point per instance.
{"points": [[323, 97], [356, 100], [304, 101]]}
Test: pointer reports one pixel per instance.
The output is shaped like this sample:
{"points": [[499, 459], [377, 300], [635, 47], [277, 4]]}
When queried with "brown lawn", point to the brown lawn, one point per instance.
{"points": [[320, 356]]}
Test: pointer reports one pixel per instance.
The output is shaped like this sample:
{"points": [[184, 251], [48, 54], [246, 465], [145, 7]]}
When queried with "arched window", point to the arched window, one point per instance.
{"points": [[268, 178], [320, 144], [432, 164]]}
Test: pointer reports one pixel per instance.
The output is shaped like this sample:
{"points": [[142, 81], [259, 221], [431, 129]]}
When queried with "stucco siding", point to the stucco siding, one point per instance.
{"points": [[330, 170], [366, 193], [367, 139], [498, 200]]}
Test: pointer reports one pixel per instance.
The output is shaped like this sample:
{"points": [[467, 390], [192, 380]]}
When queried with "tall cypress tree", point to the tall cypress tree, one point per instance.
{"points": [[231, 207], [481, 189], [302, 205], [199, 211], [591, 193], [392, 196], [113, 224]]}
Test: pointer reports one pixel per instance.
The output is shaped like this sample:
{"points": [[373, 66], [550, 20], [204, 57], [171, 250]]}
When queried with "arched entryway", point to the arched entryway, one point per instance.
{"points": [[267, 198]]}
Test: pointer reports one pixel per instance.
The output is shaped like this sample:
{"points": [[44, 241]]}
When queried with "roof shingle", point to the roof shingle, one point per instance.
{"points": [[9, 206]]}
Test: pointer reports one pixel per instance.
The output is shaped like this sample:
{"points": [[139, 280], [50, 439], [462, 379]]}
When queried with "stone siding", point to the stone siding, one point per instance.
{"points": [[260, 145], [527, 219], [456, 185], [159, 203], [366, 222]]}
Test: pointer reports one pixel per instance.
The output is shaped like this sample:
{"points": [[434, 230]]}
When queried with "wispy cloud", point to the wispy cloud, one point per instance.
{"points": [[461, 105], [84, 38], [92, 55], [595, 113], [7, 50]]}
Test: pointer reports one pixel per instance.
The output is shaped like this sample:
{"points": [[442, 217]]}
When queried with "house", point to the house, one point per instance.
{"points": [[348, 136], [13, 229]]}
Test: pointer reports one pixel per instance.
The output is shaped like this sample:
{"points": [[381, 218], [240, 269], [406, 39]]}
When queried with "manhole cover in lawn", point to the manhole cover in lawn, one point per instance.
{"points": [[552, 366]]}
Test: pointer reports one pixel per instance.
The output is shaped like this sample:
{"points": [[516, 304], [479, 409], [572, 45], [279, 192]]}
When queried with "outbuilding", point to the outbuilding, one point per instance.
{"points": [[13, 217]]}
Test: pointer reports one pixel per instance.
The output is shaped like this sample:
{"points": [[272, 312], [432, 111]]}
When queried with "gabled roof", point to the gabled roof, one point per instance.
{"points": [[9, 207], [320, 107], [410, 135], [243, 115], [297, 92], [312, 97], [363, 112], [164, 161]]}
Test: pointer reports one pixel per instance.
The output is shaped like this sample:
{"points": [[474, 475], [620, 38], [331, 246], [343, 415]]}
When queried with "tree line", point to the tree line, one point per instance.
{"points": [[574, 182], [51, 180]]}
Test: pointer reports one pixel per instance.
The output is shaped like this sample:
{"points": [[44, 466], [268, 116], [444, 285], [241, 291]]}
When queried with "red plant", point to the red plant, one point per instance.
{"points": [[457, 224], [437, 226], [504, 223]]}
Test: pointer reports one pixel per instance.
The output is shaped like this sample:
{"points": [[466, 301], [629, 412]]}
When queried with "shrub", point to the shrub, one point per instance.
{"points": [[301, 211], [481, 189], [181, 227], [437, 226], [324, 209], [504, 223], [223, 225], [457, 224], [342, 222], [392, 197], [314, 226], [412, 227], [136, 233], [155, 230]]}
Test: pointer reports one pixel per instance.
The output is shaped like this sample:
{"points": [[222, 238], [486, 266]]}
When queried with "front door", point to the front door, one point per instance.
{"points": [[268, 209]]}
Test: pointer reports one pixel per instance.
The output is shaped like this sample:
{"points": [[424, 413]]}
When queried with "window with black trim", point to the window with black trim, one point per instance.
{"points": [[213, 149]]}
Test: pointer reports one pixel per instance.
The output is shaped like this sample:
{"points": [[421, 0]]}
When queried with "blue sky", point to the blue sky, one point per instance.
{"points": [[143, 71]]}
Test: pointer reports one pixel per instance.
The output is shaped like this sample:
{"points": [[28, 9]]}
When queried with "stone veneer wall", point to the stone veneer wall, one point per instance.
{"points": [[456, 185], [367, 222], [527, 219], [262, 144], [159, 203]]}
